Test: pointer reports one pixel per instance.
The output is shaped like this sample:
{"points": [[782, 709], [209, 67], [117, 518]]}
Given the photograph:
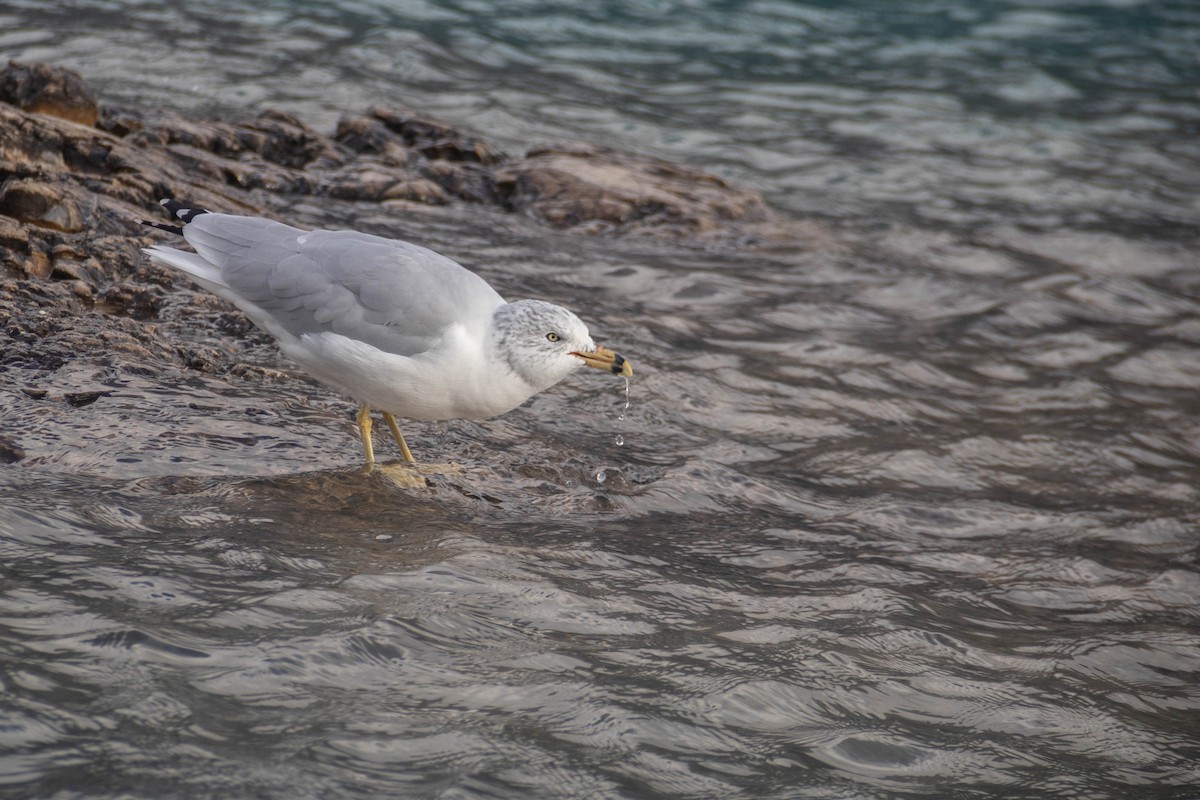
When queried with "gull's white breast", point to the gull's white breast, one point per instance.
{"points": [[454, 379]]}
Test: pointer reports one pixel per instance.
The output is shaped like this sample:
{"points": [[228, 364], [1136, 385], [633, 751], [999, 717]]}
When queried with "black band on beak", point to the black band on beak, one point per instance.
{"points": [[618, 364]]}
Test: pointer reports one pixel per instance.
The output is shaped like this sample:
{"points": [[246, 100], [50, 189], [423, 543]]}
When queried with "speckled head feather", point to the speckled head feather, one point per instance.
{"points": [[536, 340]]}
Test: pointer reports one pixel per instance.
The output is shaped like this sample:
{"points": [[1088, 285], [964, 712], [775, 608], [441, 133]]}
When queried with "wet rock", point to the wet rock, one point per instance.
{"points": [[67, 269], [258, 374], [282, 139], [450, 165], [368, 135], [10, 451], [474, 183], [40, 204], [370, 183], [34, 262], [12, 234], [435, 140], [572, 186], [96, 182], [274, 137], [81, 399], [120, 121], [45, 89], [69, 185], [419, 190]]}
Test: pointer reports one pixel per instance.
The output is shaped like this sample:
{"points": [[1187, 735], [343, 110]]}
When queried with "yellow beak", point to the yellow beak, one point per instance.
{"points": [[607, 360]]}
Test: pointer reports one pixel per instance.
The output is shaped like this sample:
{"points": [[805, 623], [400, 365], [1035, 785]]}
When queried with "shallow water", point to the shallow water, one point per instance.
{"points": [[910, 513]]}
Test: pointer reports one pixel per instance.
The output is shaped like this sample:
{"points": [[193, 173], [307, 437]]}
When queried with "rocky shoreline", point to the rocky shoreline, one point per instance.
{"points": [[76, 176]]}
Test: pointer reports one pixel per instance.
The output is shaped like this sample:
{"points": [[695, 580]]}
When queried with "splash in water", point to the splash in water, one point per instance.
{"points": [[620, 440]]}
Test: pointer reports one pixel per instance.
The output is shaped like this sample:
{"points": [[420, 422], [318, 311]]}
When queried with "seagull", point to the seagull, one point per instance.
{"points": [[395, 326]]}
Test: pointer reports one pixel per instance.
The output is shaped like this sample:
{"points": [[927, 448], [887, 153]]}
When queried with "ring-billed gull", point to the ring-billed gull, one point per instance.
{"points": [[393, 325]]}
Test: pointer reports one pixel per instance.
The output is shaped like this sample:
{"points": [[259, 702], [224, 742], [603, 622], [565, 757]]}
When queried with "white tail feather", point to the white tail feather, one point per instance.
{"points": [[204, 273]]}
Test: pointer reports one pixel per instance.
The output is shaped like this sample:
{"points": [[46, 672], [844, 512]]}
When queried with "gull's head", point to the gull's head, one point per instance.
{"points": [[544, 343]]}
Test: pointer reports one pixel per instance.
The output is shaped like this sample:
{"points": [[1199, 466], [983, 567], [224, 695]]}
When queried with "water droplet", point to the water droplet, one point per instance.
{"points": [[601, 476], [621, 417]]}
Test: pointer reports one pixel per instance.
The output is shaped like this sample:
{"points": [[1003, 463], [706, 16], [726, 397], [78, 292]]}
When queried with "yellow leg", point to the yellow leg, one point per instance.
{"points": [[404, 451], [364, 431]]}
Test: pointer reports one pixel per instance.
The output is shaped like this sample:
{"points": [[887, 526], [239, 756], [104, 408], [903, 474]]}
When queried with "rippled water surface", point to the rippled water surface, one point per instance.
{"points": [[910, 511]]}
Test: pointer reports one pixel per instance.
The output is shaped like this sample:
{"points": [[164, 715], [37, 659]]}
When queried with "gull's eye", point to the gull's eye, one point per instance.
{"points": [[552, 337]]}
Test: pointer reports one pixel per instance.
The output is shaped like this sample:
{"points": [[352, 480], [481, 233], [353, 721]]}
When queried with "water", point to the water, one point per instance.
{"points": [[909, 512]]}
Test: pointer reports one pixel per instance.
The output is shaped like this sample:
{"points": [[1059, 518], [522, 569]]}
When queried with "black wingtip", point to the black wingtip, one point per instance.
{"points": [[162, 226], [181, 210]]}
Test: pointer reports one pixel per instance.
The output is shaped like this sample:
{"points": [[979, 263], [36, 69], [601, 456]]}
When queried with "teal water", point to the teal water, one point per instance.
{"points": [[910, 516]]}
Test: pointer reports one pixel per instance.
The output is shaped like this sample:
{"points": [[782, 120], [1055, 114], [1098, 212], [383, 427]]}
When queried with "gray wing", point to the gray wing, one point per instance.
{"points": [[394, 295]]}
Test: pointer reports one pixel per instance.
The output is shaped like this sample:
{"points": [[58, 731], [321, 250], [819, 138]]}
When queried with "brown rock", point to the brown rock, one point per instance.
{"points": [[67, 268], [92, 183], [282, 139], [579, 185], [421, 190], [135, 300], [40, 204], [474, 183], [43, 89], [370, 135], [120, 121], [434, 139], [36, 264], [13, 235], [371, 183]]}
